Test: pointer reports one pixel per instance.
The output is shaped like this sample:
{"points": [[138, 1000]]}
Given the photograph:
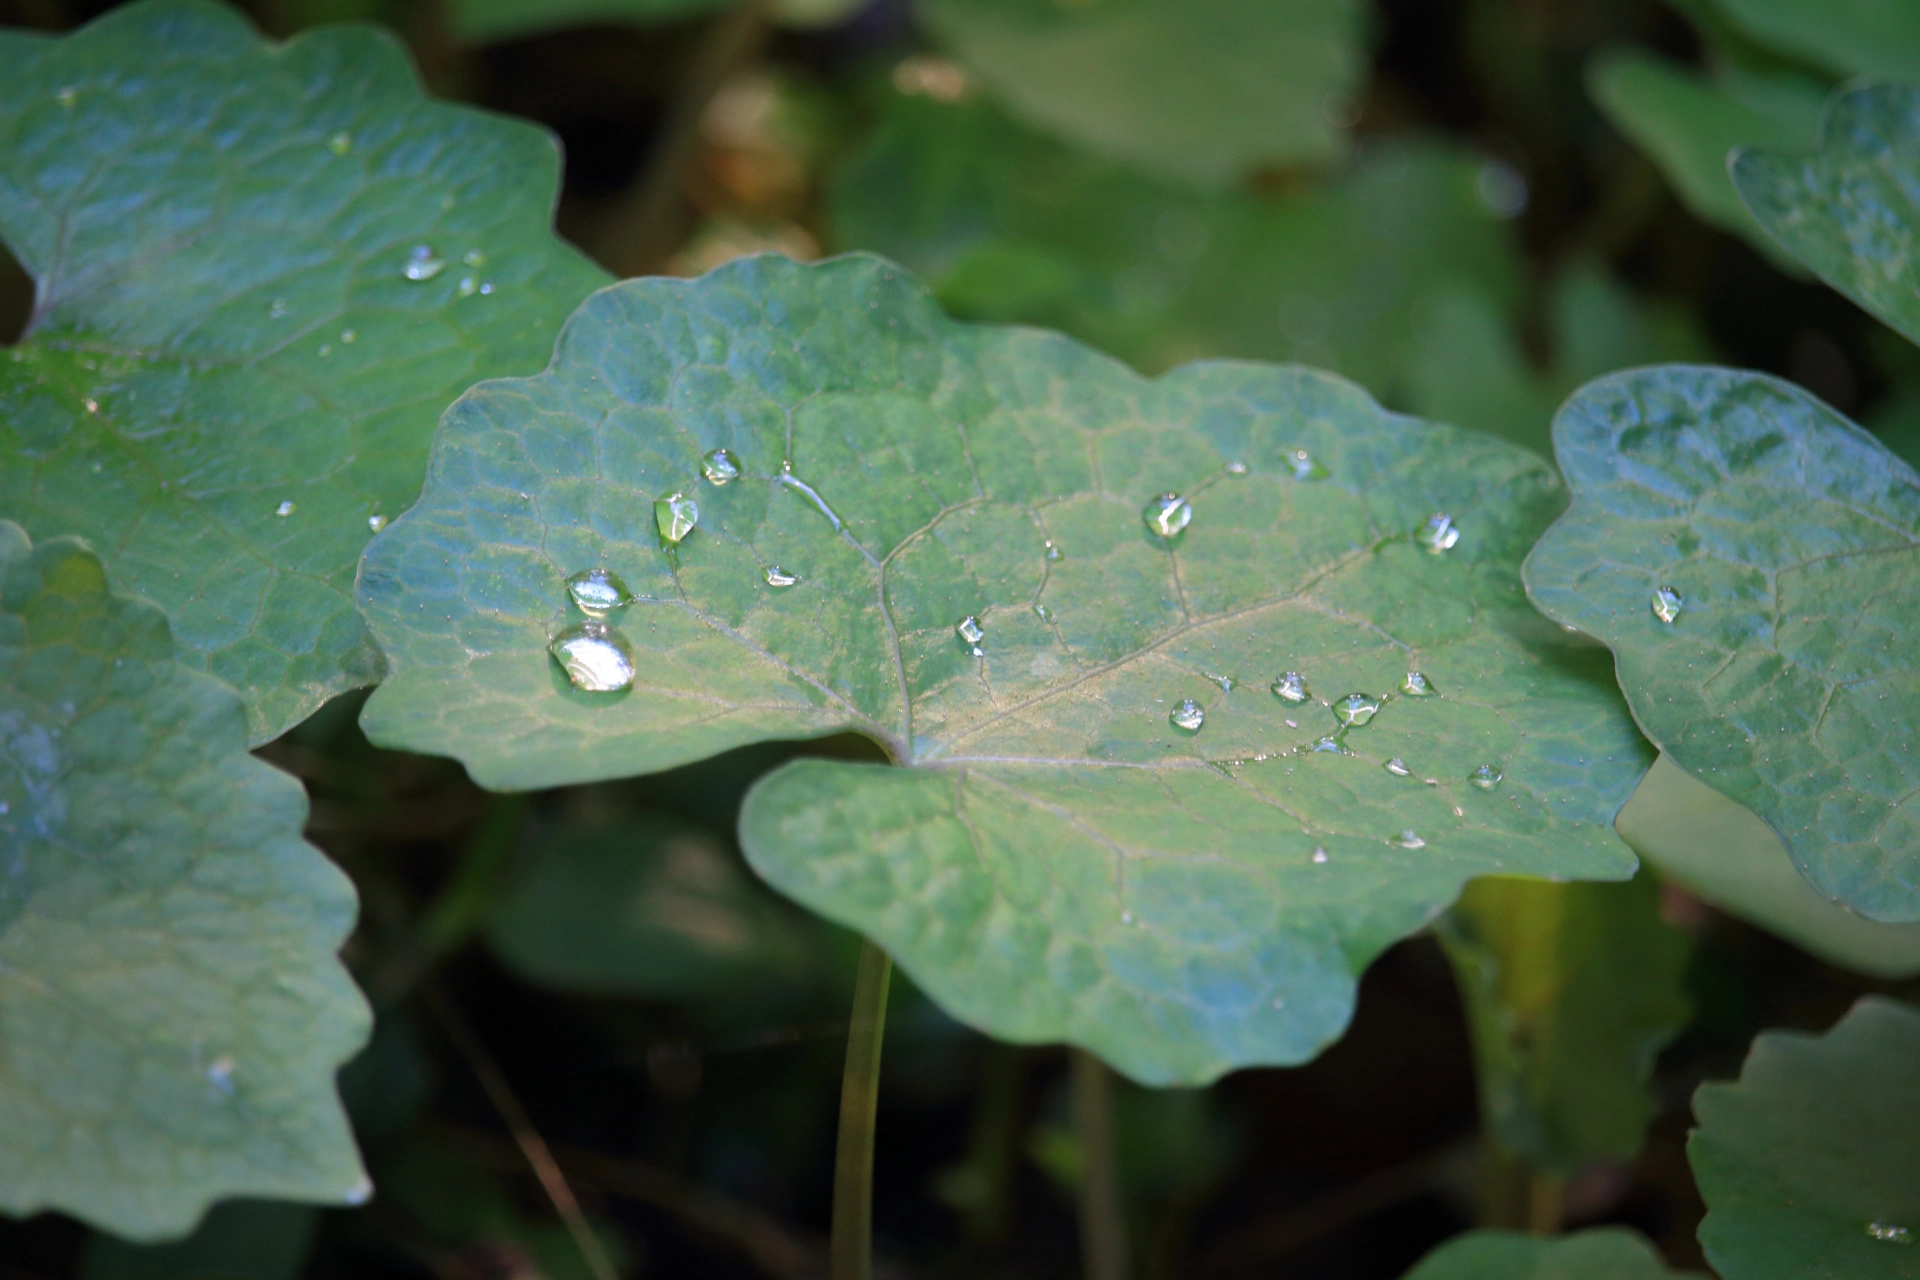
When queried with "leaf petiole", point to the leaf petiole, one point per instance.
{"points": [[851, 1250]]}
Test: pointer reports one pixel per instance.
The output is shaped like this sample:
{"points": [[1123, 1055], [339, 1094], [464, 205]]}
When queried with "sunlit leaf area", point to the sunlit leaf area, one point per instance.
{"points": [[959, 640]]}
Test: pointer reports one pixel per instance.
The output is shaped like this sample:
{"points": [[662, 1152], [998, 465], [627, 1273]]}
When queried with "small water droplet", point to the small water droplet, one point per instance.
{"points": [[1409, 840], [1329, 746], [1398, 768], [1417, 685], [1044, 613], [1227, 683], [422, 263], [1126, 917], [1438, 533], [1167, 515], [1236, 468], [326, 349], [1891, 1232], [96, 467], [285, 508], [349, 336], [598, 592], [474, 258], [277, 309], [376, 522], [220, 1073], [65, 96], [778, 577], [595, 656], [1053, 552], [970, 630], [1187, 715], [468, 287], [719, 467], [340, 143], [1319, 854], [1291, 687], [90, 405], [1487, 777], [1667, 604], [1305, 466], [1356, 709], [675, 516], [486, 287]]}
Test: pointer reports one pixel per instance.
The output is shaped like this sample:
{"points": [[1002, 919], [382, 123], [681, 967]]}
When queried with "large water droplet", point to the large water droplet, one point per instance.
{"points": [[675, 516], [340, 143], [719, 467], [1356, 709], [1438, 533], [1168, 514], [598, 592], [1409, 840], [1398, 768], [1188, 715], [1416, 686], [1291, 687], [1487, 777], [595, 656], [1667, 604], [1305, 467], [422, 263], [971, 633], [1891, 1232], [376, 522], [285, 509], [778, 577]]}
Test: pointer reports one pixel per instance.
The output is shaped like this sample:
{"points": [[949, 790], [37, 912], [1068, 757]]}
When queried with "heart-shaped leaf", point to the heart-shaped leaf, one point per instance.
{"points": [[171, 1006], [263, 270], [1196, 90], [1727, 856], [1603, 1253], [1810, 1162], [1753, 560], [932, 533], [1848, 210]]}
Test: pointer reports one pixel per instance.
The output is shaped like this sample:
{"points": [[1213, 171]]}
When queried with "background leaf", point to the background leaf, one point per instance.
{"points": [[1602, 1253], [1846, 37], [1065, 863], [1728, 857], [171, 1006], [1810, 1162], [237, 1240], [1792, 540], [223, 233], [1195, 90]]}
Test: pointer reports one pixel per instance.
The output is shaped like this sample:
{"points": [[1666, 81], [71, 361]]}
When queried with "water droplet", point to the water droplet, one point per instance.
{"points": [[595, 656], [598, 592], [486, 287], [1398, 768], [1236, 468], [349, 336], [376, 522], [1291, 687], [474, 258], [66, 95], [1305, 466], [1408, 840], [468, 287], [1126, 917], [675, 515], [1891, 1232], [778, 577], [285, 508], [1188, 716], [96, 467], [90, 405], [340, 143], [1053, 552], [719, 467], [422, 263], [1487, 777], [1319, 854], [277, 309], [220, 1073], [1356, 709], [1045, 613], [1167, 515], [1667, 604], [1329, 746], [326, 349], [1417, 685], [1438, 533], [970, 630]]}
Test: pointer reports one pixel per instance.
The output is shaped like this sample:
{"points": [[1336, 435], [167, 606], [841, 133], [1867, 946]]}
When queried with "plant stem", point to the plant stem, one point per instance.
{"points": [[1103, 1224], [851, 1253]]}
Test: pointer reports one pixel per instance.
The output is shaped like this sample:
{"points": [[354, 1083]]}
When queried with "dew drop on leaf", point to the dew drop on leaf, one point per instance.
{"points": [[340, 143], [65, 96], [1410, 840], [285, 508], [719, 467], [468, 287], [1891, 1232], [1666, 604], [1438, 533], [1319, 854], [376, 522], [1329, 746], [778, 577], [598, 592], [1356, 709], [1167, 515], [1043, 612], [474, 258], [1398, 768], [1236, 468], [1053, 552], [1291, 687], [1487, 777], [349, 336], [675, 516], [1305, 466], [422, 263], [971, 633], [1188, 716], [595, 657], [1416, 685]]}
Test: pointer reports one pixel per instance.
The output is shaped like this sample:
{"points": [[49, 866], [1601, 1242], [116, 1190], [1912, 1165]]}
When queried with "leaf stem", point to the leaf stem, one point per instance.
{"points": [[851, 1252], [1103, 1223]]}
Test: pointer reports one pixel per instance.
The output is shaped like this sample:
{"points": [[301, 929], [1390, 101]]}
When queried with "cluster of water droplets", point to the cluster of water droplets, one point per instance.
{"points": [[1889, 1232], [594, 654]]}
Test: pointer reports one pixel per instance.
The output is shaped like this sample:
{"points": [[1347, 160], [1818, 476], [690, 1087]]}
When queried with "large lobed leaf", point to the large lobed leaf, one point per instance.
{"points": [[1059, 861], [221, 231], [1783, 673], [171, 1006], [1810, 1162]]}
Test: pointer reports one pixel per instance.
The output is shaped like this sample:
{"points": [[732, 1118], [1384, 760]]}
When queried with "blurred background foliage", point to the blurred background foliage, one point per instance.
{"points": [[1468, 206]]}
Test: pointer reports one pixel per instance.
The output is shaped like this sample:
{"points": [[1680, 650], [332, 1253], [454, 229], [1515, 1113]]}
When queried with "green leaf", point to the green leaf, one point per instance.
{"points": [[1571, 991], [1810, 1162], [219, 229], [1878, 38], [238, 1240], [1010, 226], [1728, 857], [171, 1006], [1847, 210], [648, 909], [1785, 675], [1602, 1253], [487, 21], [1061, 861], [1194, 90], [1689, 126]]}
